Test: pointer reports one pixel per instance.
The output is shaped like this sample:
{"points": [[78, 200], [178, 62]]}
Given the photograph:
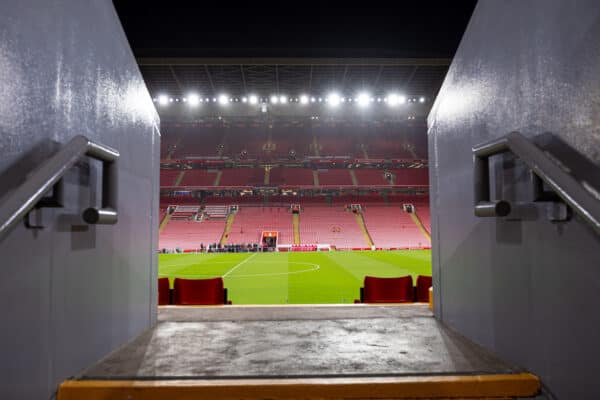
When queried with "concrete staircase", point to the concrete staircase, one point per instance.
{"points": [[418, 222], [296, 224], [164, 222], [363, 228], [353, 176], [218, 178], [179, 178], [227, 229]]}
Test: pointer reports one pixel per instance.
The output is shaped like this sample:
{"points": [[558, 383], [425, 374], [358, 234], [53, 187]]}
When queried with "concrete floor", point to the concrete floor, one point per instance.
{"points": [[296, 341]]}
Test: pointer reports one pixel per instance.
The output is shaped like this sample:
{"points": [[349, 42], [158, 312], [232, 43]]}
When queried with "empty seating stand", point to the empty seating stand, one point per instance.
{"points": [[195, 292], [387, 290]]}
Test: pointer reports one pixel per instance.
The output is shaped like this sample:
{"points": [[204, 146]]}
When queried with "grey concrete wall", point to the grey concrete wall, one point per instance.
{"points": [[71, 293], [524, 287]]}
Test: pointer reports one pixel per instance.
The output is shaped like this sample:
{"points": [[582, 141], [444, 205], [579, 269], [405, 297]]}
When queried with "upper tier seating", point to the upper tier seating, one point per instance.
{"points": [[199, 177], [291, 177], [242, 177], [388, 290], [411, 176], [231, 139], [335, 177], [370, 176], [168, 176], [198, 142], [199, 292], [330, 225], [250, 222]]}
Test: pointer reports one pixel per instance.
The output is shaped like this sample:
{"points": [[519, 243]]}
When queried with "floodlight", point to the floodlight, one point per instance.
{"points": [[333, 99], [223, 99], [193, 100], [163, 100], [253, 99], [363, 99], [304, 99]]}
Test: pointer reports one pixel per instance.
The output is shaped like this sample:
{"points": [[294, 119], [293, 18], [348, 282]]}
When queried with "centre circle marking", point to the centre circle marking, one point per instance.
{"points": [[313, 267]]}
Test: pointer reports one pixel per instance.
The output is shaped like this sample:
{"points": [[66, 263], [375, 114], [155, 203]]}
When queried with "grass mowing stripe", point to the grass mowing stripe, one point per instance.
{"points": [[337, 280]]}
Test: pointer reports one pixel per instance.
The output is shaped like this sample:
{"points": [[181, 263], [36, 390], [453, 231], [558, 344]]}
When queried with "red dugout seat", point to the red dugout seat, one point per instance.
{"points": [[387, 290], [423, 285], [199, 292], [164, 295]]}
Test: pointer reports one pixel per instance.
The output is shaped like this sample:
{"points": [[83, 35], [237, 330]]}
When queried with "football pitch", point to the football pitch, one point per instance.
{"points": [[296, 277]]}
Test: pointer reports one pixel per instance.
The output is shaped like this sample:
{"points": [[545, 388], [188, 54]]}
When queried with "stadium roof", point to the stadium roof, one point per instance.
{"points": [[210, 77]]}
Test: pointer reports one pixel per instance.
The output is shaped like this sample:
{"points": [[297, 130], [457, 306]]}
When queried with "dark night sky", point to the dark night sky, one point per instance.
{"points": [[294, 29]]}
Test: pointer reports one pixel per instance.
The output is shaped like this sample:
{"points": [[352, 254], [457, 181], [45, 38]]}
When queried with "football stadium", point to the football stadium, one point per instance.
{"points": [[205, 201]]}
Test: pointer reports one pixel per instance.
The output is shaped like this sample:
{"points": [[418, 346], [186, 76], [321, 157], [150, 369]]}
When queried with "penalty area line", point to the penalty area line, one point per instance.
{"points": [[244, 261]]}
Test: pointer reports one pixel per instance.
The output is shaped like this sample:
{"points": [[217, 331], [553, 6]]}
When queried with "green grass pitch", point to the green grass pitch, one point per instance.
{"points": [[297, 277]]}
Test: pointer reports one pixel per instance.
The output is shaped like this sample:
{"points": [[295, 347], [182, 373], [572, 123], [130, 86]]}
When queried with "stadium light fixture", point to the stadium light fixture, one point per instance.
{"points": [[253, 99], [283, 99], [333, 99], [223, 99], [303, 99], [274, 99], [163, 100], [422, 100], [193, 100], [244, 99], [312, 99], [363, 99], [394, 99]]}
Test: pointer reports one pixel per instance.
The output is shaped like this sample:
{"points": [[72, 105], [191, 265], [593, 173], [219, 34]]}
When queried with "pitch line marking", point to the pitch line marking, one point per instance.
{"points": [[315, 267], [244, 261]]}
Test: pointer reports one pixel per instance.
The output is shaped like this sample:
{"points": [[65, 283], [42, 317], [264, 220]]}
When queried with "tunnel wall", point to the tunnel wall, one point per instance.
{"points": [[522, 286], [72, 292]]}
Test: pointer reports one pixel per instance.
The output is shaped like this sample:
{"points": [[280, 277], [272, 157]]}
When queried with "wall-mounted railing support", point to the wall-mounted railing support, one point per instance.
{"points": [[49, 175], [544, 169]]}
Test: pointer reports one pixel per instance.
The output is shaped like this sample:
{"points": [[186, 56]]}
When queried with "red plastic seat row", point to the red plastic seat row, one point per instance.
{"points": [[192, 292], [395, 290]]}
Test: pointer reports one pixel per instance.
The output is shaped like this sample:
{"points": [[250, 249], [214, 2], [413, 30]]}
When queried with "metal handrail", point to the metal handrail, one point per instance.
{"points": [[573, 193], [24, 198]]}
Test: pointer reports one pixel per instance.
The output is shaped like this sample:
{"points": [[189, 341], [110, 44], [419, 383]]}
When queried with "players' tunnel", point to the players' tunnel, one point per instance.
{"points": [[380, 171]]}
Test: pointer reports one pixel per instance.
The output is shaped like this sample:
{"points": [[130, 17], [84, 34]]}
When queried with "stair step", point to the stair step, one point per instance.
{"points": [[501, 386]]}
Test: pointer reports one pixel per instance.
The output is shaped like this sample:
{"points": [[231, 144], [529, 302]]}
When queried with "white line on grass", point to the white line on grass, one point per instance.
{"points": [[245, 260]]}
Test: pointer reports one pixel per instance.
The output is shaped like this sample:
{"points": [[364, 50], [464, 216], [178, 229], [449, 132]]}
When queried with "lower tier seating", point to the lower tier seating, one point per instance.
{"points": [[190, 234], [388, 225], [250, 222], [331, 225]]}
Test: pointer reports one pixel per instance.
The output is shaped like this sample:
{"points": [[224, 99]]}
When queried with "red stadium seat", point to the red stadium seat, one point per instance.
{"points": [[388, 290], [199, 292], [423, 285], [163, 292]]}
